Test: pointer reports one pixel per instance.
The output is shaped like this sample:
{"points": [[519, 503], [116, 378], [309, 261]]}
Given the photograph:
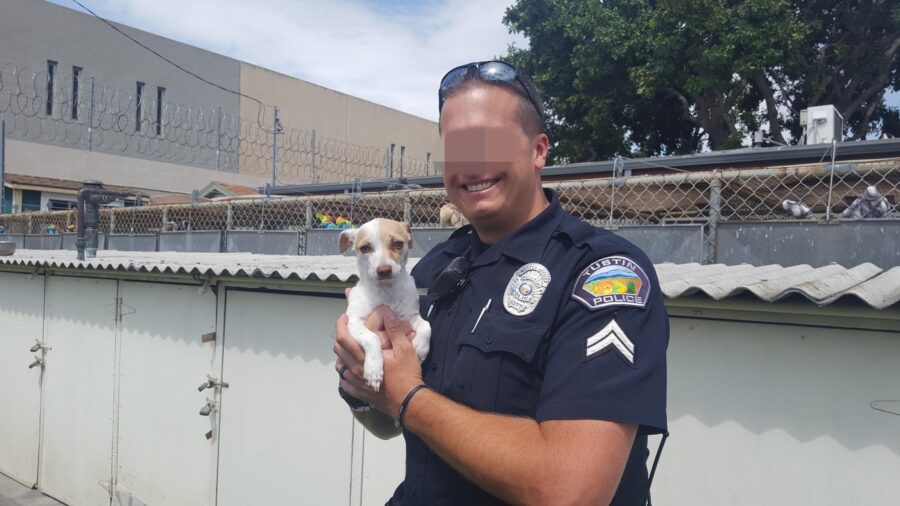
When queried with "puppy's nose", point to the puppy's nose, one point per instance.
{"points": [[384, 271]]}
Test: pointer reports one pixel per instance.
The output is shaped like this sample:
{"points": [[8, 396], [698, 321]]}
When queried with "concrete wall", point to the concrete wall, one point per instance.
{"points": [[32, 159], [32, 32]]}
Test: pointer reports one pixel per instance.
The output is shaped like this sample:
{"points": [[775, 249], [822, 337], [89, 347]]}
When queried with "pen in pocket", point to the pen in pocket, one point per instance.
{"points": [[483, 310]]}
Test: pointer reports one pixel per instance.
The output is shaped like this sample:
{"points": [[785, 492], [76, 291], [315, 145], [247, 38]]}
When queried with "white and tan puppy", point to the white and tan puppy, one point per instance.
{"points": [[382, 248]]}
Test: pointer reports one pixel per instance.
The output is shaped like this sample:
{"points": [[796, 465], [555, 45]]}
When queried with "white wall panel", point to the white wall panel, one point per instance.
{"points": [[285, 433], [163, 454], [779, 414], [21, 322], [383, 468], [76, 453]]}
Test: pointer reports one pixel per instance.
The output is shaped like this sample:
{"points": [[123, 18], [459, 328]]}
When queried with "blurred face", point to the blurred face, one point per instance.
{"points": [[491, 166]]}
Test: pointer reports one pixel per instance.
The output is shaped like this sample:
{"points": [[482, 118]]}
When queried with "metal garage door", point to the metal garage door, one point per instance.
{"points": [[22, 314], [76, 453], [164, 457], [285, 434]]}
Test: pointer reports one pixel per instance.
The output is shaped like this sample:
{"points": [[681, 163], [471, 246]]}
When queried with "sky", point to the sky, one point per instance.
{"points": [[390, 52]]}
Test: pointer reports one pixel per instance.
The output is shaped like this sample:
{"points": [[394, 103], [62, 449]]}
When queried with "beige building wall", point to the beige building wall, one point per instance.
{"points": [[337, 117]]}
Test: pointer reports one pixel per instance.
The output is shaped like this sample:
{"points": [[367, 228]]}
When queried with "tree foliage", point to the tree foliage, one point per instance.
{"points": [[668, 76]]}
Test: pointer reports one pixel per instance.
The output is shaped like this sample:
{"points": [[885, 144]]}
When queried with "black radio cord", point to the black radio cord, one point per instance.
{"points": [[659, 450]]}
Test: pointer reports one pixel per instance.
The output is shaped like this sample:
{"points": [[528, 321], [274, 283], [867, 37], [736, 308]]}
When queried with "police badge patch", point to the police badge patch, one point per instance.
{"points": [[612, 281], [525, 289]]}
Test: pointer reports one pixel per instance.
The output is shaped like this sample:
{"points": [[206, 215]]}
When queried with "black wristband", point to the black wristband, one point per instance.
{"points": [[354, 403], [405, 402]]}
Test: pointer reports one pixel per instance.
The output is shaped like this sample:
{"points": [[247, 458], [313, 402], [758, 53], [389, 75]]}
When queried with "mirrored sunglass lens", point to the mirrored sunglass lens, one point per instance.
{"points": [[453, 78], [498, 71]]}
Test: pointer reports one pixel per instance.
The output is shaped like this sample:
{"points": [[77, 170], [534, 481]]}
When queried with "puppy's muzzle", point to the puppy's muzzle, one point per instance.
{"points": [[384, 271]]}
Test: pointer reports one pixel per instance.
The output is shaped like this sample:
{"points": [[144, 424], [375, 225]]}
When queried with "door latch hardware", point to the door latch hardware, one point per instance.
{"points": [[210, 406], [212, 382], [40, 346]]}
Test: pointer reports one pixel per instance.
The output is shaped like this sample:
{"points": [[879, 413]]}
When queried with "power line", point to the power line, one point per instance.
{"points": [[167, 60]]}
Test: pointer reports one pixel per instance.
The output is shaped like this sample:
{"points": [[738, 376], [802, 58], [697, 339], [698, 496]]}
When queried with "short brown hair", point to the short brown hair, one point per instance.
{"points": [[530, 116]]}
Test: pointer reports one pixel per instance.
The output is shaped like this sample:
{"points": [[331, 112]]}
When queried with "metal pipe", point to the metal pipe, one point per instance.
{"points": [[91, 196]]}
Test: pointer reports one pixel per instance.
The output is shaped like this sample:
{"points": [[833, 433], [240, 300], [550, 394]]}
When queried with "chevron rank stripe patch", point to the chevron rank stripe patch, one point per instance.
{"points": [[610, 337]]}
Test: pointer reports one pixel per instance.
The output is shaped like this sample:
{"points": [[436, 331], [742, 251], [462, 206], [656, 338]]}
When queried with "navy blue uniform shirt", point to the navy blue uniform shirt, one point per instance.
{"points": [[560, 321]]}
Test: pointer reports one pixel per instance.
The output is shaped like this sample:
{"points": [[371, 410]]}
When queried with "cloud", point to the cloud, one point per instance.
{"points": [[389, 53]]}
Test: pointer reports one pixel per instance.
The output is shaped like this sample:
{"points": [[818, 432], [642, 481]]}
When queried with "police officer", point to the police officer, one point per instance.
{"points": [[547, 365]]}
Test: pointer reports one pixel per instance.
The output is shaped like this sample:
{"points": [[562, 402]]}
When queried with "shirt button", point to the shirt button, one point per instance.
{"points": [[490, 339]]}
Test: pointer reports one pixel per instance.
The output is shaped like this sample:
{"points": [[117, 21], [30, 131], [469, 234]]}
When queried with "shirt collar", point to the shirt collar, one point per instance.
{"points": [[526, 244]]}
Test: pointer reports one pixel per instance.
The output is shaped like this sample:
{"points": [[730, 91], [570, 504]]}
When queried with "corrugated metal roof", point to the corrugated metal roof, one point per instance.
{"points": [[243, 265], [868, 283], [823, 285]]}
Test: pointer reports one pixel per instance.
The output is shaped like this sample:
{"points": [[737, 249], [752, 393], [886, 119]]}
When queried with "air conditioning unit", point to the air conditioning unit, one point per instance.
{"points": [[823, 124]]}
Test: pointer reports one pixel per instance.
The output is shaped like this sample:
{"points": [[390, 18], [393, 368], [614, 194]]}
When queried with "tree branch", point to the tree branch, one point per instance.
{"points": [[685, 105], [762, 83]]}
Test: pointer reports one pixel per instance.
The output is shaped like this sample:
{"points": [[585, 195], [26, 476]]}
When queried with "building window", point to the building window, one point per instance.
{"points": [[76, 88], [139, 108], [61, 205], [31, 200], [160, 97], [402, 156], [51, 83], [7, 200], [427, 163]]}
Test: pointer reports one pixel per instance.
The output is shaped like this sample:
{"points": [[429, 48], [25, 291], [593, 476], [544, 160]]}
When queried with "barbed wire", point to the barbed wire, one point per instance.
{"points": [[80, 111]]}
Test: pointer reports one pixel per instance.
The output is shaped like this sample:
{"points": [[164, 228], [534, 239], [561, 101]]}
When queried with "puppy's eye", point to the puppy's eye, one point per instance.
{"points": [[398, 245], [365, 248]]}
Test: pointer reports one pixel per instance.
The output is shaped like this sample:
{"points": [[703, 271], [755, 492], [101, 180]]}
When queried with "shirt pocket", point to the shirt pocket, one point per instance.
{"points": [[496, 368]]}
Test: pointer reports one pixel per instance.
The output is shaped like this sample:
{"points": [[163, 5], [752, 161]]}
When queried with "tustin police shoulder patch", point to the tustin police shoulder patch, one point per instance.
{"points": [[612, 281]]}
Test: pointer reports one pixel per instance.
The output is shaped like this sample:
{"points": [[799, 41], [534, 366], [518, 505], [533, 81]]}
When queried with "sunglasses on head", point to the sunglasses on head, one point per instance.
{"points": [[487, 71]]}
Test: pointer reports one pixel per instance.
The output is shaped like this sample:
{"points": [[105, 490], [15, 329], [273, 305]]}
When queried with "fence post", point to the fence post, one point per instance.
{"points": [[276, 126], [218, 135], [313, 142], [2, 164], [229, 217], [830, 182], [29, 230], [91, 119], [112, 221], [715, 211], [612, 197], [407, 209], [164, 218]]}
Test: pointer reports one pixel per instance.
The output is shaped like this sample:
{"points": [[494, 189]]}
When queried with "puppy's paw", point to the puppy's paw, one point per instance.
{"points": [[421, 348], [373, 373]]}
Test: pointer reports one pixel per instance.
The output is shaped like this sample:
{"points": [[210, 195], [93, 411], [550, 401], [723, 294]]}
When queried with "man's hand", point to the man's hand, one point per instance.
{"points": [[394, 333]]}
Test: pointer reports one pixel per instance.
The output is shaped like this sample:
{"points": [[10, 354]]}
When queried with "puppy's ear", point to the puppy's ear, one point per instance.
{"points": [[409, 241], [346, 240]]}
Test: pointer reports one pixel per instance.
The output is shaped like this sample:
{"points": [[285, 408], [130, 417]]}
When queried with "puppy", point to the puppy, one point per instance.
{"points": [[451, 217], [382, 248]]}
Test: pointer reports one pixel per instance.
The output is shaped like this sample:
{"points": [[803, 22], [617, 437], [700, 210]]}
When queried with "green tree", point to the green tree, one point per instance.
{"points": [[663, 77]]}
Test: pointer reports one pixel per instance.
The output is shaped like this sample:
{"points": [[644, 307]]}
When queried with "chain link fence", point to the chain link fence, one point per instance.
{"points": [[79, 111], [822, 192]]}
